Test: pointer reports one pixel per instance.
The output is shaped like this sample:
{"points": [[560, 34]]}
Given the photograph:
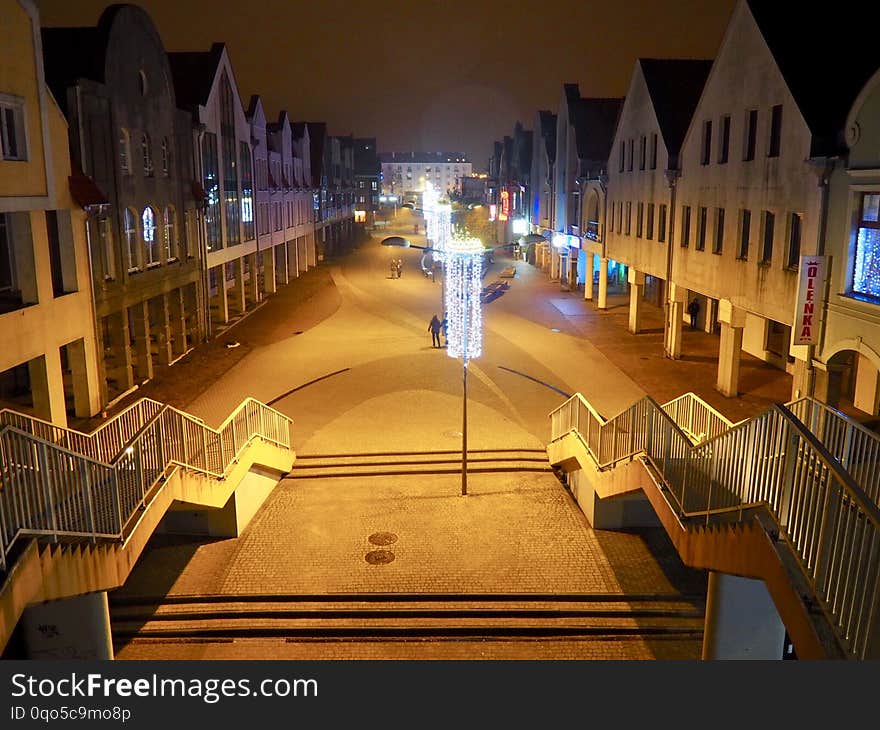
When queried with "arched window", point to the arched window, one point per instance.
{"points": [[151, 250], [124, 152], [147, 150], [166, 157], [129, 225], [172, 252]]}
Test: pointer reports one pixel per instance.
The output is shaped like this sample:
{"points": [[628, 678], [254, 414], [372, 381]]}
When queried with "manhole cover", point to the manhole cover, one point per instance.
{"points": [[382, 538], [298, 332], [379, 557]]}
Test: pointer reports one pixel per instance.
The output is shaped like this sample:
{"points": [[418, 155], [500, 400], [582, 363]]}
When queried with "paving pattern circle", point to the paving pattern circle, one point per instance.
{"points": [[379, 557], [382, 538]]}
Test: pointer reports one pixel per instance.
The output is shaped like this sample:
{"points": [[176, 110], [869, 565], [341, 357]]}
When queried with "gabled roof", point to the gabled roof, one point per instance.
{"points": [[595, 121], [826, 53], [675, 86], [193, 73], [317, 140], [572, 97]]}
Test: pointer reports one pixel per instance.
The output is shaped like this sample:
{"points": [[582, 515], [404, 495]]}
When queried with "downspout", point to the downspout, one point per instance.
{"points": [[672, 175], [201, 210], [824, 168]]}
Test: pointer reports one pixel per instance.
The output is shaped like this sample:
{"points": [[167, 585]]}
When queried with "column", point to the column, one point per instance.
{"points": [[118, 360], [253, 290], [732, 320], [270, 285], [71, 628], [81, 361], [139, 323], [603, 284], [636, 291], [675, 321], [801, 377], [221, 300], [302, 254], [160, 328], [237, 292], [741, 620], [280, 253], [588, 283], [47, 387], [292, 258], [177, 323], [867, 393]]}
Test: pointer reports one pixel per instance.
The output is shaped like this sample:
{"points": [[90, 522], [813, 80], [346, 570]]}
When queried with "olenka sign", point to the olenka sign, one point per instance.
{"points": [[809, 301]]}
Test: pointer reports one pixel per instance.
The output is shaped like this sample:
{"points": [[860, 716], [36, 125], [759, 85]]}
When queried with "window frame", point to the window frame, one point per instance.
{"points": [[702, 225], [862, 223], [745, 234], [718, 240], [792, 257], [15, 107], [774, 147], [768, 218], [685, 226], [724, 140], [706, 147]]}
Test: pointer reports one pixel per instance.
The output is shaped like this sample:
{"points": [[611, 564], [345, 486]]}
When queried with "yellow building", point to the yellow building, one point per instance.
{"points": [[47, 331]]}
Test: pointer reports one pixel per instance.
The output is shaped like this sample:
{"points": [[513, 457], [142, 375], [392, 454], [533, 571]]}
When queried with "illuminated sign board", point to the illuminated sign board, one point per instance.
{"points": [[520, 226], [809, 304], [505, 206], [493, 211], [563, 240]]}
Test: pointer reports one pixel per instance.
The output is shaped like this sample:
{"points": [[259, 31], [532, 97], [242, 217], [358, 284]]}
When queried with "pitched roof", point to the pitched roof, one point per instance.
{"points": [[826, 54], [193, 73], [548, 132], [675, 86], [594, 123], [317, 138]]}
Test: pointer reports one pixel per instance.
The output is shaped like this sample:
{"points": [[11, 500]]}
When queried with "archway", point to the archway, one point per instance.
{"points": [[853, 384]]}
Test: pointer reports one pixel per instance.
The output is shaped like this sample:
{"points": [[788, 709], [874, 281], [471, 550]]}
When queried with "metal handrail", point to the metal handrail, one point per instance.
{"points": [[773, 459], [51, 491], [103, 444], [854, 446], [697, 418]]}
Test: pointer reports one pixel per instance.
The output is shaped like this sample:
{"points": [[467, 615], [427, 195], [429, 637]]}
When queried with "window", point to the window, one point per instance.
{"points": [[724, 142], [745, 229], [172, 250], [718, 244], [661, 224], [147, 150], [247, 190], [129, 226], [767, 246], [866, 268], [751, 135], [12, 136], [643, 143], [685, 226], [151, 250], [622, 161], [707, 143], [629, 164], [108, 258], [373, 185], [654, 151], [775, 131], [649, 234], [628, 218], [794, 241], [212, 188], [611, 222], [620, 217], [231, 208], [165, 157], [124, 152], [701, 229], [640, 219]]}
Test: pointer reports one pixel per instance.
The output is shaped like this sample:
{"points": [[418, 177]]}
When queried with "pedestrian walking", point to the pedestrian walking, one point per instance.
{"points": [[399, 268], [435, 326], [394, 271], [694, 310]]}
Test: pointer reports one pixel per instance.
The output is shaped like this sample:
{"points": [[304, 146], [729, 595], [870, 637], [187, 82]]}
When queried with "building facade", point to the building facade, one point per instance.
{"points": [[367, 174], [127, 135], [405, 173], [48, 346]]}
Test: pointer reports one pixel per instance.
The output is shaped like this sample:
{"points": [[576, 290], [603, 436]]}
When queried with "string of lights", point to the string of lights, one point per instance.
{"points": [[464, 264]]}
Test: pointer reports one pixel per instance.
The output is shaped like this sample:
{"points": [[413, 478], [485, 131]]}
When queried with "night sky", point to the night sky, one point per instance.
{"points": [[426, 74]]}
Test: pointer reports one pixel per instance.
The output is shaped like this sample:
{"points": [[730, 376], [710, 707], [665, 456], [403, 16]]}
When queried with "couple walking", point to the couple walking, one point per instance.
{"points": [[435, 327]]}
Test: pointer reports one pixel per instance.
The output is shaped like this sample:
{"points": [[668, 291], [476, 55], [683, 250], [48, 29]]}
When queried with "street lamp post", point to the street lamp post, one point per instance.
{"points": [[463, 262]]}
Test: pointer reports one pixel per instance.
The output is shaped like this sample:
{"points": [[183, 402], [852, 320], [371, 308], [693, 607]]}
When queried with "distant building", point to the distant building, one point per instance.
{"points": [[367, 173], [406, 173], [48, 354], [473, 188]]}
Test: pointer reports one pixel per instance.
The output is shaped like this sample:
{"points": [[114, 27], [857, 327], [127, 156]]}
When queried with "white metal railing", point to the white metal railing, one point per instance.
{"points": [[51, 491], [697, 418], [103, 444], [854, 446], [772, 460]]}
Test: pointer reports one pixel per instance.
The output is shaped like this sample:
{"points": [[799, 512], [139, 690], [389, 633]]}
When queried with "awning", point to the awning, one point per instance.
{"points": [[84, 191]]}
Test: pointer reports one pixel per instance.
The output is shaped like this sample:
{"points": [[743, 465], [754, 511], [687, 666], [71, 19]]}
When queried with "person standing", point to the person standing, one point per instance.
{"points": [[399, 268], [434, 326], [694, 310], [394, 273]]}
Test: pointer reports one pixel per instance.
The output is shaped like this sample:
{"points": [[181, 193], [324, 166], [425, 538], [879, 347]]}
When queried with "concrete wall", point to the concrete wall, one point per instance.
{"points": [[745, 76]]}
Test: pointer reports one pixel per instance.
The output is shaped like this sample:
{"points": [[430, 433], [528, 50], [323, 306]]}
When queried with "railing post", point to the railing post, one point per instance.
{"points": [[117, 499], [47, 489], [205, 446], [786, 489], [846, 456], [90, 503]]}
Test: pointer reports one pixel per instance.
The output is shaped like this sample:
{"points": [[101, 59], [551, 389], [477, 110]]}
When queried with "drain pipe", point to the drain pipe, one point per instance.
{"points": [[672, 175], [823, 167]]}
